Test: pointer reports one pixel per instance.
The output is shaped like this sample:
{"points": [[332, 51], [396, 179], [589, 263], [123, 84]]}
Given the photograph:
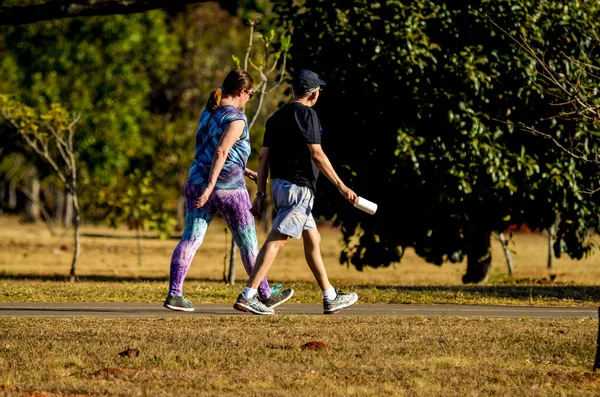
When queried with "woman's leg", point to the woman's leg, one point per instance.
{"points": [[235, 206], [196, 224]]}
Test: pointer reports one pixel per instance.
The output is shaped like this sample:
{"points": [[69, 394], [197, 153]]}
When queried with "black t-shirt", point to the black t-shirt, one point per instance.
{"points": [[287, 132]]}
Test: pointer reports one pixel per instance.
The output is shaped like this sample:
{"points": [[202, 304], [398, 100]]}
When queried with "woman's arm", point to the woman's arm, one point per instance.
{"points": [[252, 175], [232, 133]]}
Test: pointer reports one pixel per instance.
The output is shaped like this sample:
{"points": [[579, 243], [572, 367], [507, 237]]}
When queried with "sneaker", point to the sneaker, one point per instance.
{"points": [[252, 305], [178, 303], [278, 296], [341, 301]]}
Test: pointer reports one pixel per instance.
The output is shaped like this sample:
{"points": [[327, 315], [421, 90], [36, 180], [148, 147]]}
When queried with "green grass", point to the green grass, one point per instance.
{"points": [[207, 291]]}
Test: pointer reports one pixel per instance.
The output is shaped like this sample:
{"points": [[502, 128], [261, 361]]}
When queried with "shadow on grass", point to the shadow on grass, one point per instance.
{"points": [[97, 278], [526, 293], [113, 236]]}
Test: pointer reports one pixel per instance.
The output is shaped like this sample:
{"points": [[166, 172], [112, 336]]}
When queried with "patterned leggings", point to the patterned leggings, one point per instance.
{"points": [[234, 206]]}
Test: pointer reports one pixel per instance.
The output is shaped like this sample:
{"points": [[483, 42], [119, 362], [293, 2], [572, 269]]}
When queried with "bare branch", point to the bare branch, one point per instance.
{"points": [[59, 9], [249, 48], [576, 97], [534, 131], [261, 87]]}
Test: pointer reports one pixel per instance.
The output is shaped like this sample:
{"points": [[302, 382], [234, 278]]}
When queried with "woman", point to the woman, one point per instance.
{"points": [[216, 184]]}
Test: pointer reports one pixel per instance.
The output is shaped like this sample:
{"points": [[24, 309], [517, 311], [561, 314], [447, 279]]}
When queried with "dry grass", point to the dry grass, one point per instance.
{"points": [[258, 356]]}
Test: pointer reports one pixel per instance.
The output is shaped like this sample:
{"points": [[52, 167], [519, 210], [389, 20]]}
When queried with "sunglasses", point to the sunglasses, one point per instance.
{"points": [[250, 94]]}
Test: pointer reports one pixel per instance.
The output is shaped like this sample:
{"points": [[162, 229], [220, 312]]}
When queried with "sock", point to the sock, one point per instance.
{"points": [[249, 293], [330, 294]]}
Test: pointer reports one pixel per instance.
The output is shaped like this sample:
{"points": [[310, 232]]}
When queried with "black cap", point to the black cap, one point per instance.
{"points": [[306, 80]]}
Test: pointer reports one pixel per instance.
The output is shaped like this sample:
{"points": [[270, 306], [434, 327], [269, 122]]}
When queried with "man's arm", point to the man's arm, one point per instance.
{"points": [[322, 162], [258, 205]]}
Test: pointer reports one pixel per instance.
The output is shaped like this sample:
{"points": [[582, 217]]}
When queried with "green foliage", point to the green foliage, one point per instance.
{"points": [[104, 68], [50, 135], [419, 113], [139, 207], [176, 104], [139, 82]]}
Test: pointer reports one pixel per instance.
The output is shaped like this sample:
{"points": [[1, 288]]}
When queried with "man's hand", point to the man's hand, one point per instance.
{"points": [[348, 194], [258, 207]]}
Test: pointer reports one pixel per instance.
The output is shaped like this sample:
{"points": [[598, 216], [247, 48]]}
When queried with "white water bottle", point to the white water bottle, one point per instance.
{"points": [[368, 206]]}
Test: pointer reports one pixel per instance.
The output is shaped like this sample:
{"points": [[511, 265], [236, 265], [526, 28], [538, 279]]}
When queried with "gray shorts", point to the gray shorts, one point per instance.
{"points": [[293, 205]]}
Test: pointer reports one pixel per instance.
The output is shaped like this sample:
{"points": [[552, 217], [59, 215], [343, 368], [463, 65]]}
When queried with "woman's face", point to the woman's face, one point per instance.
{"points": [[249, 93]]}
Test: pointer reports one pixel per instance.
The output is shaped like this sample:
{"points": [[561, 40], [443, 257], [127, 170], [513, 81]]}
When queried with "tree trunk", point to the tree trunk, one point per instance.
{"points": [[32, 202], [3, 191], [479, 256], [12, 195], [68, 213], [52, 9], [77, 249], [225, 257], [550, 250], [551, 238], [41, 208], [597, 359], [507, 255], [138, 235], [232, 259], [59, 206]]}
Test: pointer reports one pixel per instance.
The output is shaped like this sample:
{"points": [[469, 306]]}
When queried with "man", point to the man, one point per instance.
{"points": [[293, 157]]}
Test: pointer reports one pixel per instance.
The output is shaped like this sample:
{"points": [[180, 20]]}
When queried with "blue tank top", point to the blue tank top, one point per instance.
{"points": [[210, 129]]}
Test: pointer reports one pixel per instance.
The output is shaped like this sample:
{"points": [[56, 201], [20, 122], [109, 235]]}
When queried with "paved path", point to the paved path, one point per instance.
{"points": [[143, 310]]}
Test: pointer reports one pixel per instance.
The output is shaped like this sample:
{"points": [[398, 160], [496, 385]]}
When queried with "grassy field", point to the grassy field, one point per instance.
{"points": [[35, 265], [257, 356]]}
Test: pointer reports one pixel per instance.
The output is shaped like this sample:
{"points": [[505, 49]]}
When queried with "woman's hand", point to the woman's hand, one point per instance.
{"points": [[252, 175], [203, 199]]}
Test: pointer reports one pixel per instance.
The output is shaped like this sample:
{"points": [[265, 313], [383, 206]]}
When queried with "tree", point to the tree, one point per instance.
{"points": [[57, 9], [574, 95], [139, 208], [105, 69], [415, 92], [51, 136]]}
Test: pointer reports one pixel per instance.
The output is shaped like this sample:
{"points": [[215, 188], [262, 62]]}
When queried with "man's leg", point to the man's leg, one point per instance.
{"points": [[312, 253], [333, 300], [247, 301], [266, 256], [235, 205]]}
